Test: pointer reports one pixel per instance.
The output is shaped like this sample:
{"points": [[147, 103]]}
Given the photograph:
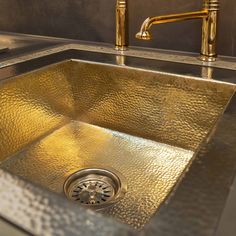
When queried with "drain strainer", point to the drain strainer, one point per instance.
{"points": [[96, 188]]}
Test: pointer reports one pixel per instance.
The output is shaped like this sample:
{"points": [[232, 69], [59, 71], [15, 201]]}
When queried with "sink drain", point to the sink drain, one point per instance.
{"points": [[97, 188]]}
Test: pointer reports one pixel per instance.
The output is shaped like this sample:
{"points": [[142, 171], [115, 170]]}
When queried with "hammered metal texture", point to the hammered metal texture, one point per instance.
{"points": [[150, 168], [165, 108], [197, 205], [32, 106], [42, 213], [145, 124]]}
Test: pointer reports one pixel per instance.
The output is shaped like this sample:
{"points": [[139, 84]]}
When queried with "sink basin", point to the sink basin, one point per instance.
{"points": [[75, 115]]}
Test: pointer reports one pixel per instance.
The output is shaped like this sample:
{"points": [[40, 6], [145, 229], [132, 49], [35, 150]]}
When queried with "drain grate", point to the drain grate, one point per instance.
{"points": [[96, 188], [92, 191]]}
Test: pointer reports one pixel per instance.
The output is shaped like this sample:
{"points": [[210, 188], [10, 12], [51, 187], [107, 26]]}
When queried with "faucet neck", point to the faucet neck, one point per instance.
{"points": [[209, 30], [121, 25]]}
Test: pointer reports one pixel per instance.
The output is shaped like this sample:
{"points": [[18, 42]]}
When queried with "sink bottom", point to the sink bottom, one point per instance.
{"points": [[151, 169]]}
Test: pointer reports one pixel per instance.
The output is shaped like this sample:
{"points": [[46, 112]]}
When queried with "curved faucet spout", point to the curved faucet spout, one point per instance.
{"points": [[209, 16], [144, 32]]}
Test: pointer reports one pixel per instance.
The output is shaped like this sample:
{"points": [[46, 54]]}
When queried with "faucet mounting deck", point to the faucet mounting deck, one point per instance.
{"points": [[208, 14]]}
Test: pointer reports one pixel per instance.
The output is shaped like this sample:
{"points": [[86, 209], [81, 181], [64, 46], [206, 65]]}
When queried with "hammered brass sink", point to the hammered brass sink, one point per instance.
{"points": [[73, 115]]}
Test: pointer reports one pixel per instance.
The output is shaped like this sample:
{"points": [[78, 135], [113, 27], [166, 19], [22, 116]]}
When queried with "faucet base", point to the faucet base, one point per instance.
{"points": [[205, 58], [121, 48]]}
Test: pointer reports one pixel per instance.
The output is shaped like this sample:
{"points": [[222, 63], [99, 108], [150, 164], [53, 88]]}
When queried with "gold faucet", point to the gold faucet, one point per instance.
{"points": [[208, 14], [121, 25]]}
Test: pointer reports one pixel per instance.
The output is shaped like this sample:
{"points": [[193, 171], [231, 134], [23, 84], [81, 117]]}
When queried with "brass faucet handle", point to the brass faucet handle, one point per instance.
{"points": [[212, 5]]}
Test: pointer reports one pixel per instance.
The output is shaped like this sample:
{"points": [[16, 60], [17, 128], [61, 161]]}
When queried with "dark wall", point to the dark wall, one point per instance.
{"points": [[94, 20]]}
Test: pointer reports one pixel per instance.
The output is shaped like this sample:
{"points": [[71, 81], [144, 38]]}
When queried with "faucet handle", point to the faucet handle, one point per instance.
{"points": [[211, 5]]}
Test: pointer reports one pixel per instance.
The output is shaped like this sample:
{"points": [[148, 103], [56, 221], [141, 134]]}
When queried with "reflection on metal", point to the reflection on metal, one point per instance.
{"points": [[121, 25], [120, 60], [208, 14], [73, 115], [207, 72]]}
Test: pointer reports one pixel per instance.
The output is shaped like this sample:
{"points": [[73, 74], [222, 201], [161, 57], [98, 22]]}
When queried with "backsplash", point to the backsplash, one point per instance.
{"points": [[94, 20]]}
